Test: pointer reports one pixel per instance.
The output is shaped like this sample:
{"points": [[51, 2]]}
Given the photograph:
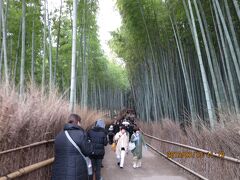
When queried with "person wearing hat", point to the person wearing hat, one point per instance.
{"points": [[122, 139], [98, 137], [110, 134]]}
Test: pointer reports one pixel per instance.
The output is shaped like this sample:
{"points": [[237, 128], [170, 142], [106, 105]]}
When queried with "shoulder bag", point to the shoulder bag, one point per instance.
{"points": [[87, 159]]}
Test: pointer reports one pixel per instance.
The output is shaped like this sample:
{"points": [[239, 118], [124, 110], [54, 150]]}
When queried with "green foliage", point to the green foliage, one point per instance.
{"points": [[164, 68], [100, 69]]}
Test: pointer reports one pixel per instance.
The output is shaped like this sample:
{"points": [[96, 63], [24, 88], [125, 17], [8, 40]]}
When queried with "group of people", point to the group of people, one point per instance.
{"points": [[79, 153], [123, 132], [123, 146]]}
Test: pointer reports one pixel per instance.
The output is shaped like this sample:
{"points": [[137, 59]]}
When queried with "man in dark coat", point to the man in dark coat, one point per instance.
{"points": [[98, 136], [110, 134], [69, 164], [116, 127]]}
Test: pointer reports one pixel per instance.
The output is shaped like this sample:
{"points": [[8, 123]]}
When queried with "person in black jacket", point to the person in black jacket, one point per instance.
{"points": [[116, 127], [110, 134], [98, 136], [69, 163]]}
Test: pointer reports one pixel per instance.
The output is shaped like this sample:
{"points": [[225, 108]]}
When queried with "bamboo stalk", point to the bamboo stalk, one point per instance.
{"points": [[27, 146], [27, 169]]}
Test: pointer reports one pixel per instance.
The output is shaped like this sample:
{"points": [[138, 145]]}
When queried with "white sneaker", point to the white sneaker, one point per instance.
{"points": [[139, 164], [134, 166]]}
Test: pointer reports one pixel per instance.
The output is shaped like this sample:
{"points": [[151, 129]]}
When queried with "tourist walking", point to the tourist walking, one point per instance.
{"points": [[122, 140], [110, 134], [69, 163], [98, 137], [138, 140]]}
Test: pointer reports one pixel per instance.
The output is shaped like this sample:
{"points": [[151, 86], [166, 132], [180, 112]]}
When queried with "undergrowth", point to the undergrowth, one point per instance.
{"points": [[33, 118], [220, 140]]}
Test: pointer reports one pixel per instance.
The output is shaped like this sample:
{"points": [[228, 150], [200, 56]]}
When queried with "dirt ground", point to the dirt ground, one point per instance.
{"points": [[153, 167]]}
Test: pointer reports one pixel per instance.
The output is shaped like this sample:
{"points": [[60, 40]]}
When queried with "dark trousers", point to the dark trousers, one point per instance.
{"points": [[97, 163], [110, 137]]}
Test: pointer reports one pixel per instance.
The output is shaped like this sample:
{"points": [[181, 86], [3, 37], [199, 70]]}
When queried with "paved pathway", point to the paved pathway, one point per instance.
{"points": [[153, 167]]}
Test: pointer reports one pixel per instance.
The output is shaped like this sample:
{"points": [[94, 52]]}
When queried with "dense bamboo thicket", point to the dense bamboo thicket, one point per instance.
{"points": [[182, 64], [221, 140], [182, 58], [33, 119], [38, 41]]}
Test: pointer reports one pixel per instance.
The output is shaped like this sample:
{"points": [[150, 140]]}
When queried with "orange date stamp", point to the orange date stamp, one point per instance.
{"points": [[187, 154]]}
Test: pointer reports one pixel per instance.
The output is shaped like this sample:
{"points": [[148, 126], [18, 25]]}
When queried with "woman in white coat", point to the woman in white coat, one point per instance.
{"points": [[122, 139]]}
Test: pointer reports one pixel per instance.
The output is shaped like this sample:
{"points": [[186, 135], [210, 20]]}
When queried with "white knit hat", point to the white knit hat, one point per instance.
{"points": [[111, 128]]}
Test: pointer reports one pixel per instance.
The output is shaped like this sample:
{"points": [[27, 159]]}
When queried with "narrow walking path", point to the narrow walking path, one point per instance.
{"points": [[154, 168]]}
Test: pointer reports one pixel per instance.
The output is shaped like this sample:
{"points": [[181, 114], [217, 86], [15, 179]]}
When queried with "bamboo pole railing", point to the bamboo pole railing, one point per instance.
{"points": [[28, 169], [178, 164], [235, 160], [41, 164], [27, 146]]}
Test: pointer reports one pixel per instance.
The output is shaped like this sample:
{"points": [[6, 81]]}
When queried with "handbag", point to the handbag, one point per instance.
{"points": [[131, 146], [87, 159], [114, 146]]}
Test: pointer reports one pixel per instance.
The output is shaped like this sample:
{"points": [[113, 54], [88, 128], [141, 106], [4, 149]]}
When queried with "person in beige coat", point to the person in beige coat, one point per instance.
{"points": [[122, 139]]}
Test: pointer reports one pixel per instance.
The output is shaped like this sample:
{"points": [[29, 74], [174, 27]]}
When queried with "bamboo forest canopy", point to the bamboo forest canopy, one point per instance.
{"points": [[182, 57], [36, 46]]}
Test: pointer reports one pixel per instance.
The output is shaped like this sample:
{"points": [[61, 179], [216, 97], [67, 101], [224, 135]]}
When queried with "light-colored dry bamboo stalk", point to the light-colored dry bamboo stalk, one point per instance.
{"points": [[27, 169]]}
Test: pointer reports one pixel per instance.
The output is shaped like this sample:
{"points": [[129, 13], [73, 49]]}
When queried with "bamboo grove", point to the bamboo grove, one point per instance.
{"points": [[36, 47], [182, 57]]}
